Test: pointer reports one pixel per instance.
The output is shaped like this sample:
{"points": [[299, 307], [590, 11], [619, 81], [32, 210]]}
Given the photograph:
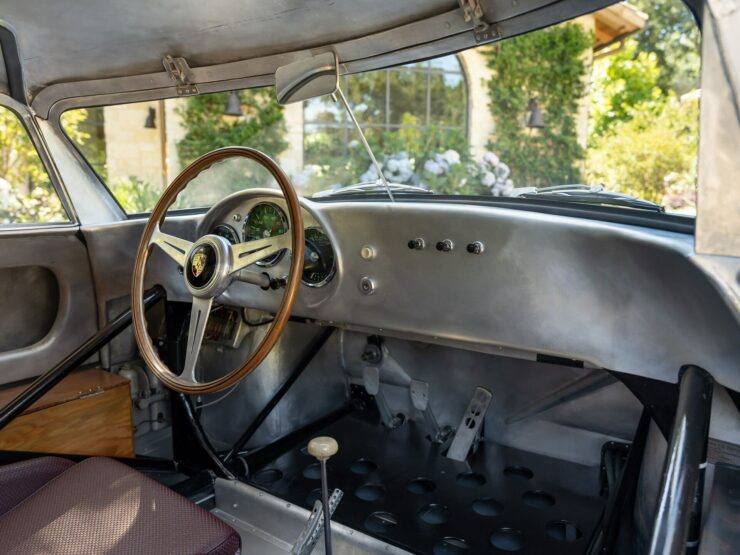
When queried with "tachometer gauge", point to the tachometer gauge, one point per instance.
{"points": [[319, 260], [266, 220], [227, 232]]}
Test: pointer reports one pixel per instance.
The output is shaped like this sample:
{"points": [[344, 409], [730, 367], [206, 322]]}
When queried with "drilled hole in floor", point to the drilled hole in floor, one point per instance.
{"points": [[519, 472], [470, 479], [563, 530], [312, 471], [420, 486], [370, 492], [363, 466], [267, 477], [381, 522], [507, 539], [312, 497], [538, 499], [434, 513], [450, 546], [487, 506]]}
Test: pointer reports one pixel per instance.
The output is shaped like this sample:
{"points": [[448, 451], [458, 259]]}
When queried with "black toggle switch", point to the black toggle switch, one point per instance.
{"points": [[417, 244]]}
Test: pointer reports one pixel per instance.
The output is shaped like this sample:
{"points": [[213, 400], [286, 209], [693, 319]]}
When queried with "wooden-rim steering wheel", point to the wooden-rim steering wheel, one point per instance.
{"points": [[209, 266]]}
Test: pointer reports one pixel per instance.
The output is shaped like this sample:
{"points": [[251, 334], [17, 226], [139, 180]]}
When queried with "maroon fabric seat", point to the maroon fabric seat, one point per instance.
{"points": [[100, 506]]}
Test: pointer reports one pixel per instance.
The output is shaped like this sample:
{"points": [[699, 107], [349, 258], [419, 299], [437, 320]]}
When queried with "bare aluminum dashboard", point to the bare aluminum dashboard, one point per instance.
{"points": [[625, 298]]}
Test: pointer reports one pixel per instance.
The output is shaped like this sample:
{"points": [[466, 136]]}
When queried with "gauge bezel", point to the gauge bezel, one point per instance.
{"points": [[333, 270], [272, 260], [231, 228]]}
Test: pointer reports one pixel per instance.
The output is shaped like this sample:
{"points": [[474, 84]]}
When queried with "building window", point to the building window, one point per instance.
{"points": [[395, 107]]}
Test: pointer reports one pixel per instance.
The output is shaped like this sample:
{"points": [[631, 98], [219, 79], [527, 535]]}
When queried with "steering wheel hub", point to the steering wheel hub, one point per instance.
{"points": [[207, 269]]}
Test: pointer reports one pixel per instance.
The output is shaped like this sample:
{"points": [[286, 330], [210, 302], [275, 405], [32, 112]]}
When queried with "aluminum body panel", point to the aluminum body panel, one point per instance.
{"points": [[58, 249], [620, 297], [269, 526], [436, 29], [718, 200]]}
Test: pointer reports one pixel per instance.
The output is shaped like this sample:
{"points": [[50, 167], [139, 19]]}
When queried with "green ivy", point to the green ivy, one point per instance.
{"points": [[262, 126], [549, 65]]}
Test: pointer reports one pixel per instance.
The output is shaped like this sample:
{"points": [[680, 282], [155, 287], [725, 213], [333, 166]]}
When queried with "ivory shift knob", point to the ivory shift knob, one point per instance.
{"points": [[323, 448]]}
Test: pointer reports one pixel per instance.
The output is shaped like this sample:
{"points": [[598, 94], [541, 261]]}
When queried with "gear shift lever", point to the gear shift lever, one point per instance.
{"points": [[323, 448]]}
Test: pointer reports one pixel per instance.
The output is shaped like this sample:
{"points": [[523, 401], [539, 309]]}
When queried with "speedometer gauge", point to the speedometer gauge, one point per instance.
{"points": [[319, 260], [227, 232], [266, 220]]}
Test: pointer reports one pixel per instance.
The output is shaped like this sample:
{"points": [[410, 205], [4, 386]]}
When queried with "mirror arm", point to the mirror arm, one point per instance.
{"points": [[364, 140]]}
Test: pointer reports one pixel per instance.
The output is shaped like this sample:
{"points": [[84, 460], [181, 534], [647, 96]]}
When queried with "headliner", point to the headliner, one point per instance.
{"points": [[73, 40]]}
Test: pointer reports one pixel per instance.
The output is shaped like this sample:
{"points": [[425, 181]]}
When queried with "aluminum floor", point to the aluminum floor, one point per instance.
{"points": [[399, 489]]}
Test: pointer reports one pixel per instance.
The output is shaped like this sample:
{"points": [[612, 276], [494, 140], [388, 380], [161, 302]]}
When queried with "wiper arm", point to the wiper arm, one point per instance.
{"points": [[373, 187], [587, 195]]}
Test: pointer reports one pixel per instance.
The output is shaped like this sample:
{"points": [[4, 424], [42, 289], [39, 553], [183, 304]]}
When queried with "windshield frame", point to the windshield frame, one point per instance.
{"points": [[677, 223]]}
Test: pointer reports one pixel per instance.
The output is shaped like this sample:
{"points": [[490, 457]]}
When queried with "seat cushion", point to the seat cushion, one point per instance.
{"points": [[100, 506], [20, 480]]}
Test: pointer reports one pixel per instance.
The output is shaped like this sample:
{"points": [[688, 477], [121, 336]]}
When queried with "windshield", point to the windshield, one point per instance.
{"points": [[600, 109]]}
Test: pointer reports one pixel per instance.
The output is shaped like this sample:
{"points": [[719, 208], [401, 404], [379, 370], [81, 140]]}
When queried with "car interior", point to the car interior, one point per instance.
{"points": [[240, 366]]}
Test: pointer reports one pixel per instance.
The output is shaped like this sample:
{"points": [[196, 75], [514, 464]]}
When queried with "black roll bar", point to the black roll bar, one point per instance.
{"points": [[306, 357], [676, 527]]}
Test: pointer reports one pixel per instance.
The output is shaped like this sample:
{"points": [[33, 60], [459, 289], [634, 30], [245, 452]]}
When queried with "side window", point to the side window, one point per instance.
{"points": [[26, 192]]}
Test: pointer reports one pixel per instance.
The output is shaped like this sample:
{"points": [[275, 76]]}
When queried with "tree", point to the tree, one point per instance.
{"points": [[621, 82], [650, 156], [262, 126], [26, 193], [674, 38], [547, 65]]}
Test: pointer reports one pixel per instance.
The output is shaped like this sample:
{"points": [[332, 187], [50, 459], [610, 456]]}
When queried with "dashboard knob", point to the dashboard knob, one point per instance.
{"points": [[417, 244], [446, 245], [476, 247], [367, 252], [367, 285]]}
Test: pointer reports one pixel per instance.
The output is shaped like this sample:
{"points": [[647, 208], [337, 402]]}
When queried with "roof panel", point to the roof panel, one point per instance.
{"points": [[71, 40]]}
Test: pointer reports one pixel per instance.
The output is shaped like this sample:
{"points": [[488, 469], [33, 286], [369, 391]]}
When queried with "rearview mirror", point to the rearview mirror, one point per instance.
{"points": [[307, 78]]}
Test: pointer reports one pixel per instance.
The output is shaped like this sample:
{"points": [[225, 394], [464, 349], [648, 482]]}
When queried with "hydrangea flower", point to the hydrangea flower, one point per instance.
{"points": [[433, 167], [452, 157]]}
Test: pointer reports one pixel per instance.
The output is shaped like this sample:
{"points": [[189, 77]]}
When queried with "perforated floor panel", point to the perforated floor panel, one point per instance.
{"points": [[398, 487]]}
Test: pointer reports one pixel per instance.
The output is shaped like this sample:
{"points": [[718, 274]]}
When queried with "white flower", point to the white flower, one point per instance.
{"points": [[392, 165], [452, 157], [300, 180], [433, 167], [370, 176], [489, 180], [491, 158], [502, 172], [354, 143]]}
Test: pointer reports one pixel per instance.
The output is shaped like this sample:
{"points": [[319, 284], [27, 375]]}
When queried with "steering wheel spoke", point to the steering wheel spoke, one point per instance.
{"points": [[177, 249], [246, 254], [198, 320]]}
